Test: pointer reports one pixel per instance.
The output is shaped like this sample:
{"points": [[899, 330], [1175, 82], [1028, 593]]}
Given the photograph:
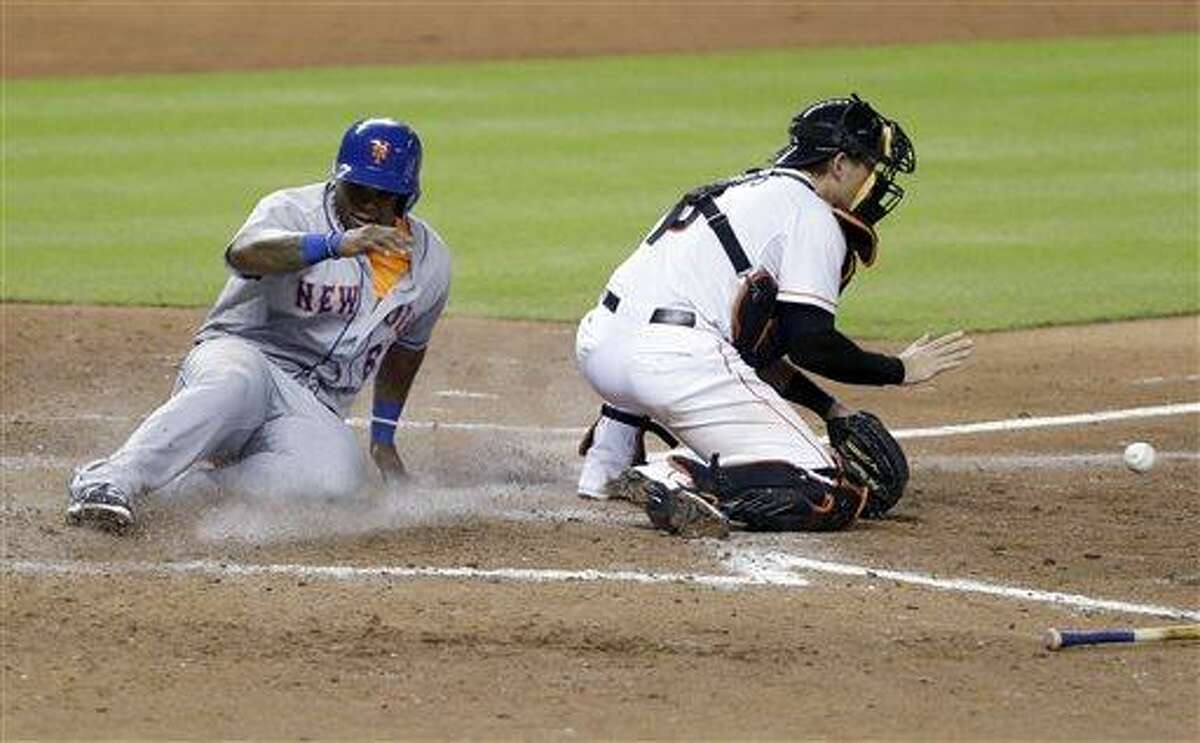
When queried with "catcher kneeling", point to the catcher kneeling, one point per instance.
{"points": [[703, 332]]}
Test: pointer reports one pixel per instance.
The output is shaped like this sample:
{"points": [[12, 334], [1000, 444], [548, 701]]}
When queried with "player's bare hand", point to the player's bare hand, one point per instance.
{"points": [[375, 237], [926, 358], [387, 459]]}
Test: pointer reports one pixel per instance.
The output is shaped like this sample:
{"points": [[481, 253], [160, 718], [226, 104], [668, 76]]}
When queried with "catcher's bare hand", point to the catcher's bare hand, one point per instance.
{"points": [[926, 358], [387, 459], [376, 237]]}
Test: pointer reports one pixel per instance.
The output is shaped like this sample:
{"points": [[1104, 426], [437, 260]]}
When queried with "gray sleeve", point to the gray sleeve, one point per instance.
{"points": [[416, 335], [273, 216]]}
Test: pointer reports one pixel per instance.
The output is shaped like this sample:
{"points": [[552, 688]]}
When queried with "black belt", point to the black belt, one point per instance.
{"points": [[660, 316], [668, 316]]}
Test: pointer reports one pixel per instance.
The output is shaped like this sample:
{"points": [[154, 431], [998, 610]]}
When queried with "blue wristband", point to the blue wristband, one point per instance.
{"points": [[384, 417], [315, 247]]}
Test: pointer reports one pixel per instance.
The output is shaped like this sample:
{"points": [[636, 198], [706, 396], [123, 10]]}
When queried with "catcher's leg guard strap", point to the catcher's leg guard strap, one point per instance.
{"points": [[640, 422], [727, 481]]}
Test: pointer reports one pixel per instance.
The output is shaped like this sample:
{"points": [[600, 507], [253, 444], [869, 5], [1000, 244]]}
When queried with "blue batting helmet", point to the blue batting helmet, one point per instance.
{"points": [[383, 154]]}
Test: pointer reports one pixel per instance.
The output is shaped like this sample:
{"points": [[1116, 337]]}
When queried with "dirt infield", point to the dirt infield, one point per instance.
{"points": [[99, 37], [174, 635], [487, 601]]}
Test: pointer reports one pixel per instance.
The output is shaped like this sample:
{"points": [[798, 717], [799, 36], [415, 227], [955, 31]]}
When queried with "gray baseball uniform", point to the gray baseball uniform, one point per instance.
{"points": [[277, 364]]}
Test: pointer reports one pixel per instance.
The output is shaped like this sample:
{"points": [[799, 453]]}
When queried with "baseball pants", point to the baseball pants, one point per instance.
{"points": [[693, 382], [267, 433]]}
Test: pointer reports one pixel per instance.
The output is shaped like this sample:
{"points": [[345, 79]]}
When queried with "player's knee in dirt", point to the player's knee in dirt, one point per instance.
{"points": [[344, 486], [338, 475], [316, 482]]}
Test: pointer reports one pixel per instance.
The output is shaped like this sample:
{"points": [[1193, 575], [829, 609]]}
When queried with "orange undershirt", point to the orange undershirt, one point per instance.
{"points": [[388, 268]]}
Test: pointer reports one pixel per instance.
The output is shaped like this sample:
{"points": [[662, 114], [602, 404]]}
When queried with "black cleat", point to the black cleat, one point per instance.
{"points": [[683, 512], [629, 486]]}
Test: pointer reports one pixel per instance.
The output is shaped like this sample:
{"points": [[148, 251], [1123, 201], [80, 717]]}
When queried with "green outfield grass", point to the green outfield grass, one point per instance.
{"points": [[1057, 180]]}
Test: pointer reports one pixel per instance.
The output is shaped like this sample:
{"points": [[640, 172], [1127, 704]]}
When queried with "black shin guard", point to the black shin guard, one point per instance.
{"points": [[777, 496]]}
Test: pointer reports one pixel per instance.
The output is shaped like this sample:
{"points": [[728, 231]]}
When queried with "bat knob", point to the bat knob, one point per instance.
{"points": [[1053, 639]]}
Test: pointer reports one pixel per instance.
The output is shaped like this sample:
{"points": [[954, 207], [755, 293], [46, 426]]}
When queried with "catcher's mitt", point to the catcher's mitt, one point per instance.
{"points": [[871, 457]]}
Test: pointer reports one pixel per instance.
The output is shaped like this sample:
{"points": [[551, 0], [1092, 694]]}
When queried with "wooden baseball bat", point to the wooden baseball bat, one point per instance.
{"points": [[1057, 639]]}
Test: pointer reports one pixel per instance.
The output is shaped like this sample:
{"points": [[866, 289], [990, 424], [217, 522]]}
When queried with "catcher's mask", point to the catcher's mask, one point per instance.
{"points": [[850, 125], [384, 155]]}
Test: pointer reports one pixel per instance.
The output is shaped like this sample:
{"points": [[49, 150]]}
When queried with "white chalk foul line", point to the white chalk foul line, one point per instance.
{"points": [[1167, 380], [467, 394], [775, 563], [353, 422], [959, 429], [1021, 424], [353, 573], [751, 569]]}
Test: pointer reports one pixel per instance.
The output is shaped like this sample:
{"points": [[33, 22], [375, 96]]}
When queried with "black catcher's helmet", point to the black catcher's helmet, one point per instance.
{"points": [[850, 125]]}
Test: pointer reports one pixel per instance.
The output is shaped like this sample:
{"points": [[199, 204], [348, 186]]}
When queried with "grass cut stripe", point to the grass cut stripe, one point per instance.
{"points": [[1057, 180]]}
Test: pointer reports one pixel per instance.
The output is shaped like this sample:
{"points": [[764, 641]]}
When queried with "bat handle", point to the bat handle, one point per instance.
{"points": [[1056, 639]]}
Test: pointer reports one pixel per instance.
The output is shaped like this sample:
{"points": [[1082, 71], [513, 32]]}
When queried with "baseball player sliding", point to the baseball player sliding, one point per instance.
{"points": [[703, 331], [334, 284]]}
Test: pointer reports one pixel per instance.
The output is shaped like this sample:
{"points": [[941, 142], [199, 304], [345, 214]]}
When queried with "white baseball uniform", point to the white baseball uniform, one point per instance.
{"points": [[277, 364], [691, 379]]}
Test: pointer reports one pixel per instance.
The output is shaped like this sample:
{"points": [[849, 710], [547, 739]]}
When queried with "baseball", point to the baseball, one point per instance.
{"points": [[1139, 456]]}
